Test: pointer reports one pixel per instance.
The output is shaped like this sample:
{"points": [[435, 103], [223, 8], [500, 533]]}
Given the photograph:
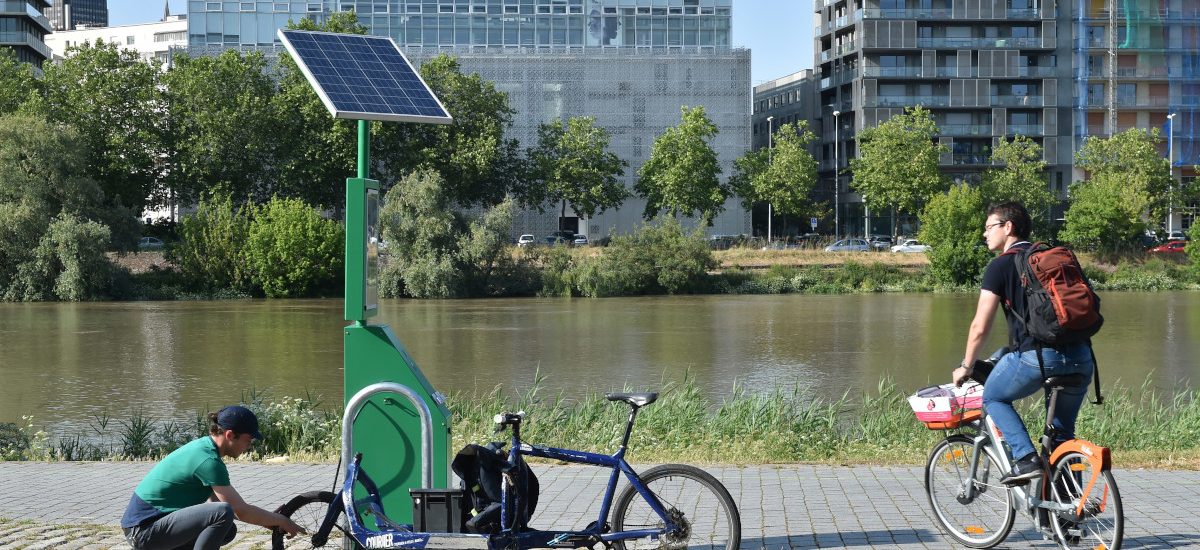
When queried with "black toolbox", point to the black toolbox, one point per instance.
{"points": [[440, 510]]}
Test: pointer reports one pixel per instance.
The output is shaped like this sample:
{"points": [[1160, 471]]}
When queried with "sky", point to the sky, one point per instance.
{"points": [[778, 32]]}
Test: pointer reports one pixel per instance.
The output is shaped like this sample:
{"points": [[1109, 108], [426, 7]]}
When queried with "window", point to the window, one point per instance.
{"points": [[247, 6], [280, 7], [128, 40], [314, 8], [212, 6], [412, 8]]}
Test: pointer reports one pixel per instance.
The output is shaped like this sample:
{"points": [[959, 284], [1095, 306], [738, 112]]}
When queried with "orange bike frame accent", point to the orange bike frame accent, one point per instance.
{"points": [[1099, 457]]}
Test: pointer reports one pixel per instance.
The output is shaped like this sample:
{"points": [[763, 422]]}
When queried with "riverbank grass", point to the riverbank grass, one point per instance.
{"points": [[1144, 427]]}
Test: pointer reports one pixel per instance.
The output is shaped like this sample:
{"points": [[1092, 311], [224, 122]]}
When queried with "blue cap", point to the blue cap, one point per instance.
{"points": [[239, 419]]}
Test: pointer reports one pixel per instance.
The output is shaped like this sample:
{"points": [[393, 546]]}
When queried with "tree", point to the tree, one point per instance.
{"points": [[1128, 180], [17, 82], [682, 175], [52, 235], [952, 226], [783, 176], [111, 97], [210, 252], [293, 251], [221, 136], [897, 162], [420, 230], [573, 164], [1021, 178]]}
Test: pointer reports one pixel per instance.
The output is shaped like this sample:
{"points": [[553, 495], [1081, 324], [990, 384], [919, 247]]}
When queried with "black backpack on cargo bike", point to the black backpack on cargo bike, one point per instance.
{"points": [[482, 469]]}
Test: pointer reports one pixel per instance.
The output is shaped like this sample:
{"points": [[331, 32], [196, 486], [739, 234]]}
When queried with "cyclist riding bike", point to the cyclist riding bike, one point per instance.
{"points": [[1019, 373]]}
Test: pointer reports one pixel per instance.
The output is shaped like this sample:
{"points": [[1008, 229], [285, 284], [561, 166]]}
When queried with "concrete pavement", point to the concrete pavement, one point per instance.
{"points": [[77, 505]]}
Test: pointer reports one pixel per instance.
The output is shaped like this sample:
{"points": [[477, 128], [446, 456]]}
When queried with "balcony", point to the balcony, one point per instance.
{"points": [[952, 72], [1034, 42], [968, 158], [892, 71], [1037, 71], [1017, 101], [908, 101], [965, 130], [1030, 130]]}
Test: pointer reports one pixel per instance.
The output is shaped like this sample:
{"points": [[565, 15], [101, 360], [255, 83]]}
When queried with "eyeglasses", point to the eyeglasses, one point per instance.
{"points": [[989, 226]]}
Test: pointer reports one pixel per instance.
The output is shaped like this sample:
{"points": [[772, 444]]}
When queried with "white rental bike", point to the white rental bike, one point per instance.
{"points": [[1074, 503]]}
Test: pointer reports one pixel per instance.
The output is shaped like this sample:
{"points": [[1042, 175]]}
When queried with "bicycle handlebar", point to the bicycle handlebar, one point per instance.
{"points": [[505, 419]]}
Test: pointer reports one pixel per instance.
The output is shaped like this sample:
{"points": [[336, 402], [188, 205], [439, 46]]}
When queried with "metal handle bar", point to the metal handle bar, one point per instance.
{"points": [[355, 405]]}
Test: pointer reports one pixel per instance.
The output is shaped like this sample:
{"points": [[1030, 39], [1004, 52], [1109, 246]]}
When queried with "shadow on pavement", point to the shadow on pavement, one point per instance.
{"points": [[883, 538], [1168, 540]]}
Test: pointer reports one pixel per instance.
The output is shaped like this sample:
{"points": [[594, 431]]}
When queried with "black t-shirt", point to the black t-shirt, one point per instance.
{"points": [[1001, 278]]}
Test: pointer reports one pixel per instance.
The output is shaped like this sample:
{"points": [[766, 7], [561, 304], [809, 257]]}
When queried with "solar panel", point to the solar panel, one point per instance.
{"points": [[363, 77]]}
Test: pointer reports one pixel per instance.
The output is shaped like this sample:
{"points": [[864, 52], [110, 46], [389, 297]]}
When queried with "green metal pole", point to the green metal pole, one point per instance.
{"points": [[364, 148]]}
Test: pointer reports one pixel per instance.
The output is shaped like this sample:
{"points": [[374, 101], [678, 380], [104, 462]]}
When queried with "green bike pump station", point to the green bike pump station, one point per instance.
{"points": [[394, 417]]}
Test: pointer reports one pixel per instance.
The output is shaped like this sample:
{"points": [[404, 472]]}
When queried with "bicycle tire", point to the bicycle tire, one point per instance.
{"points": [[700, 501], [1103, 524], [986, 520], [308, 511]]}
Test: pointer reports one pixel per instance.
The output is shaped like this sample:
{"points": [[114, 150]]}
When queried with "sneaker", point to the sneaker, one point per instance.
{"points": [[1027, 468]]}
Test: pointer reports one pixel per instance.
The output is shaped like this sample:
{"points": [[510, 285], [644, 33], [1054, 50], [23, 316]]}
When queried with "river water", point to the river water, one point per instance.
{"points": [[65, 363]]}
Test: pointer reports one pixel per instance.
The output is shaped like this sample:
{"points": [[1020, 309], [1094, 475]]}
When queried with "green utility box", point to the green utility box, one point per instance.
{"points": [[388, 429]]}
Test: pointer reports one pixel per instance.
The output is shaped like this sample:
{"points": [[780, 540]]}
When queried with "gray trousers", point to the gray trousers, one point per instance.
{"points": [[205, 526]]}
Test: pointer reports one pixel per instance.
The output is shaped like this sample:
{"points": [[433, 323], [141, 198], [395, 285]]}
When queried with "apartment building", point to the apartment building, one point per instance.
{"points": [[23, 30], [66, 15]]}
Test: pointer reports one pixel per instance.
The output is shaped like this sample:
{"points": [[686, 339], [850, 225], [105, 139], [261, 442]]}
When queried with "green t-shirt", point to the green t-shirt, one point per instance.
{"points": [[185, 477]]}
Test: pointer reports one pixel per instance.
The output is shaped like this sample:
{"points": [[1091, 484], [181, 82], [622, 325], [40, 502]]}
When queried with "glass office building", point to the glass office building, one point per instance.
{"points": [[66, 15], [630, 63], [23, 30]]}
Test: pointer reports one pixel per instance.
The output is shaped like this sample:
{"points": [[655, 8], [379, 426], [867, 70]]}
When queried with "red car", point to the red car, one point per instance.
{"points": [[1173, 247]]}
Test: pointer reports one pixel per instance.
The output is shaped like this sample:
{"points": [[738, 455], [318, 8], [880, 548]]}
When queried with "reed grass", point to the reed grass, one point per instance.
{"points": [[1145, 427]]}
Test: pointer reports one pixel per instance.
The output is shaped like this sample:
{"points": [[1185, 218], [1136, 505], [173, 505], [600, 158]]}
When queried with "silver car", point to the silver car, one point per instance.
{"points": [[849, 245], [911, 246]]}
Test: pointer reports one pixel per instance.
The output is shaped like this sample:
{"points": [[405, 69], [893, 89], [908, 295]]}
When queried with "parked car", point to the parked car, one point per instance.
{"points": [[1172, 247], [580, 240], [849, 245], [555, 240], [150, 243], [1177, 236], [881, 242], [525, 240], [911, 246]]}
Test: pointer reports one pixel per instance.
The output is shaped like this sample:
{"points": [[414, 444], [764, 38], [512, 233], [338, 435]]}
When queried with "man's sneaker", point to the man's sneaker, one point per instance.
{"points": [[1027, 468]]}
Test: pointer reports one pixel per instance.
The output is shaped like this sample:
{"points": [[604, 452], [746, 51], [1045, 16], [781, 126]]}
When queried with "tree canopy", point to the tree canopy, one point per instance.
{"points": [[572, 164], [1127, 180], [784, 175], [682, 175], [897, 163], [110, 96], [1021, 177]]}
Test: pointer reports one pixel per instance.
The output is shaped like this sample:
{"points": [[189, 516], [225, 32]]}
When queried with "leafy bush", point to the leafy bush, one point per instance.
{"points": [[209, 253], [558, 270], [951, 225], [653, 260], [293, 251], [420, 229]]}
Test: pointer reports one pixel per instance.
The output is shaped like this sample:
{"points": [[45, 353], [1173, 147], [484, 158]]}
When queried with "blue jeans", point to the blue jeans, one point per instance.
{"points": [[1017, 375]]}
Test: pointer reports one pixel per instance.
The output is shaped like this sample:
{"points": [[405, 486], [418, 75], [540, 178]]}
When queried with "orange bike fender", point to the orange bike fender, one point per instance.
{"points": [[1099, 457]]}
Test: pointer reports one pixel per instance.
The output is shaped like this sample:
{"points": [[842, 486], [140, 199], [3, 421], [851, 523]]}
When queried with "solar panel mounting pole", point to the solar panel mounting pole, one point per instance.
{"points": [[367, 78]]}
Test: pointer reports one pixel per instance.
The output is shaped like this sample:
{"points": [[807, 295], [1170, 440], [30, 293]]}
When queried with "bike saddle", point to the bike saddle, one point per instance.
{"points": [[1065, 381], [635, 399]]}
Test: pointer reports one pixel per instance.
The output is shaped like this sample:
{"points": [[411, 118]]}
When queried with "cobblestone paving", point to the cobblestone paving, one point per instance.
{"points": [[76, 505]]}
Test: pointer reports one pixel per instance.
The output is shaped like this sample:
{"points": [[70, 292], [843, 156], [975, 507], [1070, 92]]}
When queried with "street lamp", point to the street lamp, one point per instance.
{"points": [[1171, 166], [770, 145], [837, 188]]}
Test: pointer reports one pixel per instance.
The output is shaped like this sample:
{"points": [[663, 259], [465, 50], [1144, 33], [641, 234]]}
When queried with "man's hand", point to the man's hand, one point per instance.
{"points": [[961, 375], [290, 528]]}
